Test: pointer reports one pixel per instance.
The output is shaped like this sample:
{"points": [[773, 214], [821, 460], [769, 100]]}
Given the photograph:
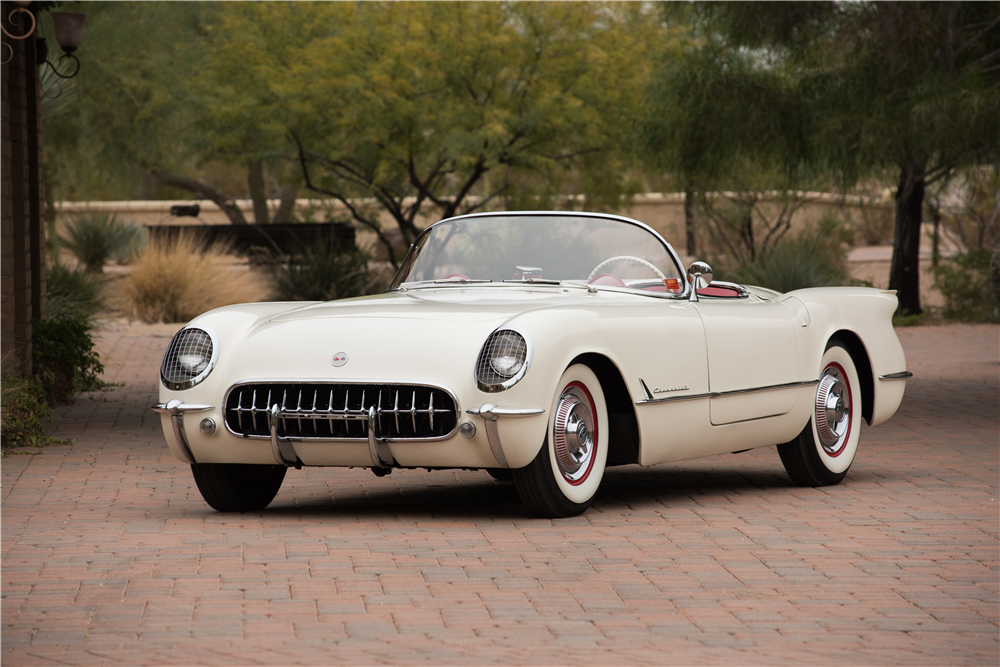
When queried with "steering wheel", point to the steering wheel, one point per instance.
{"points": [[630, 258]]}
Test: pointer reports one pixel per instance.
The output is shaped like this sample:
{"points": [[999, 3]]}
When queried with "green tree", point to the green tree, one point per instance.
{"points": [[439, 109], [836, 88], [152, 113]]}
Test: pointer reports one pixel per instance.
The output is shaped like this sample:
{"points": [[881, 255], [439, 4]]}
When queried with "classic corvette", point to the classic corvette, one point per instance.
{"points": [[541, 347]]}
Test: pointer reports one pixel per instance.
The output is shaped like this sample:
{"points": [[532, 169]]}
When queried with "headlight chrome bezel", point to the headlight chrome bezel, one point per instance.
{"points": [[170, 364], [488, 379]]}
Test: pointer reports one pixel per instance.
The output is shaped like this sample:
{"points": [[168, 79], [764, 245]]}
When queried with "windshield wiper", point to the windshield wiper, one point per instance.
{"points": [[536, 281], [461, 281]]}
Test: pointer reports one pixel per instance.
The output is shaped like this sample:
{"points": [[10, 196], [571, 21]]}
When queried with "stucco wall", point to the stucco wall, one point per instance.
{"points": [[662, 212]]}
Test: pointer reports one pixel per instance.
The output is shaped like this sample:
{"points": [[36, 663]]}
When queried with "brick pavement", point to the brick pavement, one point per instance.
{"points": [[111, 557]]}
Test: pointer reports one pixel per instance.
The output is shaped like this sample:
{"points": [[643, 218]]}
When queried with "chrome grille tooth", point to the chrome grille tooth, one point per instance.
{"points": [[430, 410], [298, 409], [329, 411], [395, 412], [313, 411], [284, 402], [378, 409], [266, 407], [365, 426], [413, 411], [347, 409]]}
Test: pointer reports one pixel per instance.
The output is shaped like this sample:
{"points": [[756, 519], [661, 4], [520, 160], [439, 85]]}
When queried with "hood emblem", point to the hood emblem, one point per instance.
{"points": [[339, 359]]}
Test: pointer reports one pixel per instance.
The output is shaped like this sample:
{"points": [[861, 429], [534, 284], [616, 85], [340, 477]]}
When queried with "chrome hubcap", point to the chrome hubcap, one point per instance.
{"points": [[833, 410], [573, 434]]}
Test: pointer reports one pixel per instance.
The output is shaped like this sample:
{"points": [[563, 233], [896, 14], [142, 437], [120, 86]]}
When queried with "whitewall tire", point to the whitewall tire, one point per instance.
{"points": [[822, 454], [565, 475]]}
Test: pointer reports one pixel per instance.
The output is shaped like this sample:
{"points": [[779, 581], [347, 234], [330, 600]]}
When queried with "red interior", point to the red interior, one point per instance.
{"points": [[719, 290]]}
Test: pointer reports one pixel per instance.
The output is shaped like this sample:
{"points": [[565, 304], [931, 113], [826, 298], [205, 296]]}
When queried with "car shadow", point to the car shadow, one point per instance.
{"points": [[624, 489]]}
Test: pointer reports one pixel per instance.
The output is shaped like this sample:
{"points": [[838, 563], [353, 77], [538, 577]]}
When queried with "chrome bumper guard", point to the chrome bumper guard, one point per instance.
{"points": [[490, 413], [284, 454], [176, 409], [902, 375]]}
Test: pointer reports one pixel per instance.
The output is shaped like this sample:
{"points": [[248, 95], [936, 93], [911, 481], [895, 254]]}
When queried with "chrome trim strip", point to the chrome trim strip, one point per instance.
{"points": [[669, 399], [902, 375], [176, 409], [176, 405], [787, 385], [352, 415], [490, 413], [734, 392], [645, 390]]}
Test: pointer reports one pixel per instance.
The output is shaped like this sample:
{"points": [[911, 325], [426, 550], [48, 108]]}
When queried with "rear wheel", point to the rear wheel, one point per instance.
{"points": [[824, 451], [565, 475], [238, 487]]}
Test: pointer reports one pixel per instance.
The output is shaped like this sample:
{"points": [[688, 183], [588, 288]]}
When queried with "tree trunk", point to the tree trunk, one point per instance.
{"points": [[692, 244], [904, 274], [286, 209], [255, 181]]}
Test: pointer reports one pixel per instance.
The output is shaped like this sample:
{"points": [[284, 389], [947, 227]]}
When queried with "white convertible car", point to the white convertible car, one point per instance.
{"points": [[541, 347]]}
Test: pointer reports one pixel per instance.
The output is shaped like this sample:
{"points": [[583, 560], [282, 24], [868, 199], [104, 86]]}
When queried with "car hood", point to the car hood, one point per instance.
{"points": [[439, 305], [400, 336]]}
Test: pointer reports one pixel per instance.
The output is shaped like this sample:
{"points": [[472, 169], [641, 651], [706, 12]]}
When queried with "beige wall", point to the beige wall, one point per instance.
{"points": [[662, 212]]}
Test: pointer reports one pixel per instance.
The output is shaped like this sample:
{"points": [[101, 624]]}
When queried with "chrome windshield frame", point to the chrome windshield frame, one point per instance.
{"points": [[398, 285]]}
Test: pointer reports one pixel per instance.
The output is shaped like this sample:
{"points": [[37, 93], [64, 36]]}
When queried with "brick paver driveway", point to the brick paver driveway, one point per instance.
{"points": [[111, 557]]}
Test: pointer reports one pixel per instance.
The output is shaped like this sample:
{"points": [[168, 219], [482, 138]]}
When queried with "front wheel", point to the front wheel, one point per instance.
{"points": [[238, 487], [564, 476], [823, 452]]}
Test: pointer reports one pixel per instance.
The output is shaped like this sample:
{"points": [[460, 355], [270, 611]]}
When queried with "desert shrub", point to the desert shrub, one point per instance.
{"points": [[94, 238], [965, 283], [317, 275], [22, 409], [815, 258], [71, 290], [174, 280], [64, 358]]}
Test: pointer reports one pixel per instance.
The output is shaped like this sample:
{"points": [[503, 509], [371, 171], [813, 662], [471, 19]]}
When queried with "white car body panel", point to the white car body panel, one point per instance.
{"points": [[754, 348]]}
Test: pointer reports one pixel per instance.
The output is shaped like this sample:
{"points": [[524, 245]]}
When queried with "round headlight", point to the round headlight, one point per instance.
{"points": [[502, 361], [189, 359], [507, 354]]}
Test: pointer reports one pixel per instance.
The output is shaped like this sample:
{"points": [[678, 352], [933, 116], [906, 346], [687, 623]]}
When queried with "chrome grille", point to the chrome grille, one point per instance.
{"points": [[340, 411], [501, 342]]}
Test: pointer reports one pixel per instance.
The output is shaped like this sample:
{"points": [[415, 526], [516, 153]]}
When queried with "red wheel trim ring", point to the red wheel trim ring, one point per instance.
{"points": [[850, 413], [593, 411]]}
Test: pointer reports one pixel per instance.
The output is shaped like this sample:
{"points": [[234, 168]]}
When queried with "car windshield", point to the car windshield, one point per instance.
{"points": [[602, 252]]}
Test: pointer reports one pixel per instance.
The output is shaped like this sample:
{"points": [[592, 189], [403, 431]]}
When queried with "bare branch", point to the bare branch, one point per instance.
{"points": [[355, 212], [979, 35]]}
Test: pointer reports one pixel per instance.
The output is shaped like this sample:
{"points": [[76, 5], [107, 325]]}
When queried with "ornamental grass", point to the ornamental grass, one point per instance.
{"points": [[175, 280]]}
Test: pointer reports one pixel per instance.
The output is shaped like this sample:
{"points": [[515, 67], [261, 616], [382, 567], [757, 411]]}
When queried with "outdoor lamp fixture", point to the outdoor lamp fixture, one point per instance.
{"points": [[69, 33]]}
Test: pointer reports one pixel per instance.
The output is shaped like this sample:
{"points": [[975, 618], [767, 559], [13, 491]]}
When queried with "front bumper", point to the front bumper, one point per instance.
{"points": [[381, 452]]}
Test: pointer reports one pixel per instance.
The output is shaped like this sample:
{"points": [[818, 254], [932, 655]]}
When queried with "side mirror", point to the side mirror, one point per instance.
{"points": [[700, 276]]}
